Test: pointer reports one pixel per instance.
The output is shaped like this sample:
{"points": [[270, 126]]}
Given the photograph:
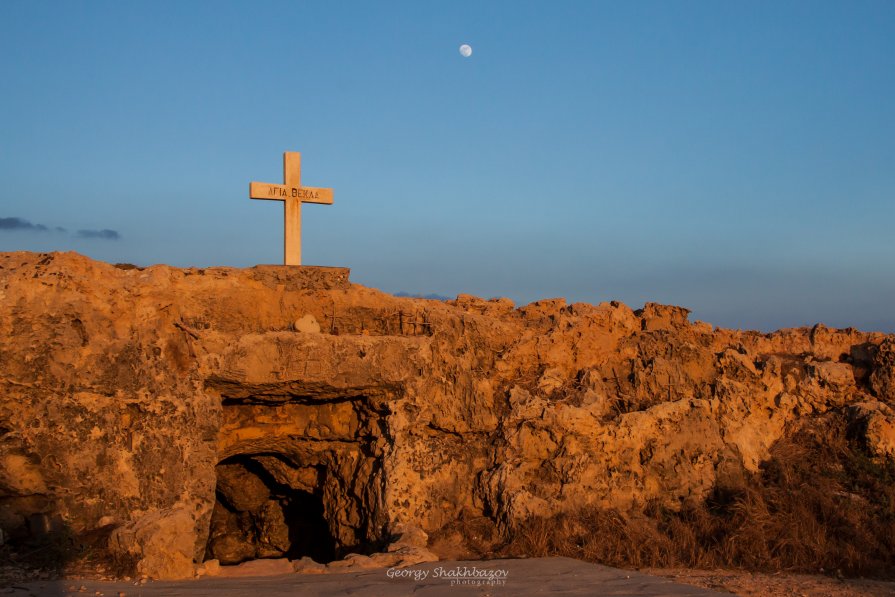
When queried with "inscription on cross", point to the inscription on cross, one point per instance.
{"points": [[292, 194]]}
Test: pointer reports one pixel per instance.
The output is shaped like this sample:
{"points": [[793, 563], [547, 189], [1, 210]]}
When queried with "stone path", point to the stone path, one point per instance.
{"points": [[523, 577]]}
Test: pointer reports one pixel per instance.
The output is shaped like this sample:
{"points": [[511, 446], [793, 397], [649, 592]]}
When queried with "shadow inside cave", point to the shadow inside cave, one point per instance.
{"points": [[267, 507], [309, 533]]}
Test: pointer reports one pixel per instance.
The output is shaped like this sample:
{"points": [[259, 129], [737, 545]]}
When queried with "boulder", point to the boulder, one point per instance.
{"points": [[162, 543]]}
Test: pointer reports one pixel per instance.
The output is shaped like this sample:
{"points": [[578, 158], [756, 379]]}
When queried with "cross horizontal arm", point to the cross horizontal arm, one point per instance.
{"points": [[280, 192]]}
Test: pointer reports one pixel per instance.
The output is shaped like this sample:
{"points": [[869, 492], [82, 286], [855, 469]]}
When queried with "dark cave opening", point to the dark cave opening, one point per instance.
{"points": [[309, 533], [267, 507]]}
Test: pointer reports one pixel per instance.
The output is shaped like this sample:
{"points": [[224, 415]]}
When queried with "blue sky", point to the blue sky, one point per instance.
{"points": [[734, 158]]}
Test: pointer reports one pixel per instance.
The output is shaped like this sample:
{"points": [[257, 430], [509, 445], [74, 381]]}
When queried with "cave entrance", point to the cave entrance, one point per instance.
{"points": [[300, 473], [268, 507]]}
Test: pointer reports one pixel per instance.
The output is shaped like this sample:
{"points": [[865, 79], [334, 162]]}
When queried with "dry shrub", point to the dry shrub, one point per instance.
{"points": [[604, 536], [819, 504]]}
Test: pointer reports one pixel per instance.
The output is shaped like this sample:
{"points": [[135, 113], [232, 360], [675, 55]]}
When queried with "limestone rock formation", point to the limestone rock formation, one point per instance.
{"points": [[275, 412]]}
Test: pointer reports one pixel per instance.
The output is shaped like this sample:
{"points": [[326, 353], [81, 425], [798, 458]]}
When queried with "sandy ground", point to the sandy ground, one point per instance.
{"points": [[777, 585], [541, 576]]}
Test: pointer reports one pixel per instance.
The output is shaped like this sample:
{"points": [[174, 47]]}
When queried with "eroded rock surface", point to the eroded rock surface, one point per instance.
{"points": [[266, 412]]}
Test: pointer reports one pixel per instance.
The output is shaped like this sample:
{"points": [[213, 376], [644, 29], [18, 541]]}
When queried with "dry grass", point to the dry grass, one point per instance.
{"points": [[603, 536], [820, 504]]}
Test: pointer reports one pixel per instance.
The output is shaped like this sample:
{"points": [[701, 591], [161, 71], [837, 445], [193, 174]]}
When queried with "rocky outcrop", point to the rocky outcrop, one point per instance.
{"points": [[275, 412]]}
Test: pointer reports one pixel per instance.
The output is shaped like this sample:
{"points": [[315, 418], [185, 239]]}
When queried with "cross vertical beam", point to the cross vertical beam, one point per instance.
{"points": [[292, 194], [292, 210]]}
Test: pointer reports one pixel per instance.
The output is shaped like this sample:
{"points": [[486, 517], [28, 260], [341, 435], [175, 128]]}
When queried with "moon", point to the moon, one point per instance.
{"points": [[466, 50]]}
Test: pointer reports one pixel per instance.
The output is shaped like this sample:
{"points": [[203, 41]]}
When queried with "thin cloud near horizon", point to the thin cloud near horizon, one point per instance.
{"points": [[105, 234], [21, 224]]}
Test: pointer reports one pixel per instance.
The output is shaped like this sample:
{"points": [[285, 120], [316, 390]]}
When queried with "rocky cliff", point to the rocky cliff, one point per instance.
{"points": [[234, 414]]}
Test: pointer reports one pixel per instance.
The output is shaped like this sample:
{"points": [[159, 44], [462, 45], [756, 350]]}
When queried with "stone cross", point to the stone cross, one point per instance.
{"points": [[292, 194]]}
